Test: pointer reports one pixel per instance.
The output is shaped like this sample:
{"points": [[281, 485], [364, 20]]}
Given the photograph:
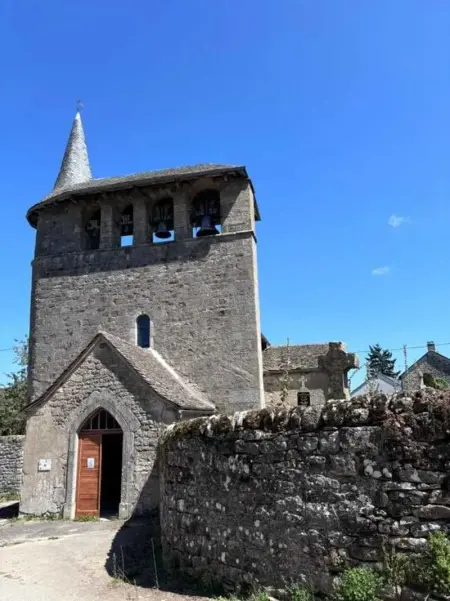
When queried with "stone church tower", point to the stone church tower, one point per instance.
{"points": [[144, 311]]}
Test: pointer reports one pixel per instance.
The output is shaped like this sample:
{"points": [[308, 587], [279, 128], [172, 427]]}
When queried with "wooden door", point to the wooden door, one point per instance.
{"points": [[89, 475]]}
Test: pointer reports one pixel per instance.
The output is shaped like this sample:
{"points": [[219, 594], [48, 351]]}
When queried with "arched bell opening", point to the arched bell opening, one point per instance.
{"points": [[126, 226], [99, 474], [162, 221], [205, 214], [92, 225]]}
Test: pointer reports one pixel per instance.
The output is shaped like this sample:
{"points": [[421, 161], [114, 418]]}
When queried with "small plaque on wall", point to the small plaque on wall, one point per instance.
{"points": [[44, 465], [91, 463]]}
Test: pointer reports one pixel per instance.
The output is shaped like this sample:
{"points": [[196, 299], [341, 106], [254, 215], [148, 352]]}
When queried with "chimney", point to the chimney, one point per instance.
{"points": [[431, 346]]}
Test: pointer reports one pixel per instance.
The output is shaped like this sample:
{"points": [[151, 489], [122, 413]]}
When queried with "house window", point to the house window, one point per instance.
{"points": [[143, 331], [303, 399]]}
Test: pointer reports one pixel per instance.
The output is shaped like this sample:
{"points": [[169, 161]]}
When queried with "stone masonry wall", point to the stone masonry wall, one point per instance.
{"points": [[297, 495], [102, 380], [315, 382], [432, 364], [11, 458], [200, 295]]}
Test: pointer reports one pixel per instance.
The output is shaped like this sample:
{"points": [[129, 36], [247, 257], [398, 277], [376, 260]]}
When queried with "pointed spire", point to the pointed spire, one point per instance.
{"points": [[75, 168]]}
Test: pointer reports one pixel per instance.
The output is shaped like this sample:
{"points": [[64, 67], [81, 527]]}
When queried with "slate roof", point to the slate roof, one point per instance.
{"points": [[160, 375], [394, 382], [301, 356], [75, 169], [437, 360], [162, 176], [149, 365]]}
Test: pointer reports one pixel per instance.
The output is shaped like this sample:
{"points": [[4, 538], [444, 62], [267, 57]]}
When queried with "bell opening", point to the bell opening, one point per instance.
{"points": [[207, 228], [163, 234], [206, 231]]}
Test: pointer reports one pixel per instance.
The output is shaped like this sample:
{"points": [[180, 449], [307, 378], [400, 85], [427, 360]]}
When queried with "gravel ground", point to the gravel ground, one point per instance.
{"points": [[64, 561]]}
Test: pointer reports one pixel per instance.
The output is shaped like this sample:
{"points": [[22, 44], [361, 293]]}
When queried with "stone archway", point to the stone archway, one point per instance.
{"points": [[129, 425]]}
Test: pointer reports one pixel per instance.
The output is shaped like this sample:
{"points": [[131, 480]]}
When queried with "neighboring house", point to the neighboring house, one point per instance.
{"points": [[379, 383], [430, 366], [315, 373]]}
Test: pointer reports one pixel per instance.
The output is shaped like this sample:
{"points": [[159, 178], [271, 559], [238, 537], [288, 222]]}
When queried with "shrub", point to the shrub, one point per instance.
{"points": [[431, 570], [358, 584], [300, 593], [260, 595], [395, 567]]}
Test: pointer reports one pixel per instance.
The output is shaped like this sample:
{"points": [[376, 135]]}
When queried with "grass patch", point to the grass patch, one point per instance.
{"points": [[7, 496]]}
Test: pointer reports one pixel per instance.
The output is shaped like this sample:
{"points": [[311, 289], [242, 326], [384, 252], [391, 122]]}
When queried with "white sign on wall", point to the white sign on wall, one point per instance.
{"points": [[91, 463], [44, 465]]}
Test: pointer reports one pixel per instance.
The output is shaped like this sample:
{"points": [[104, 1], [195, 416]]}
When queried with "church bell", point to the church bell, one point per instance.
{"points": [[207, 227], [161, 231]]}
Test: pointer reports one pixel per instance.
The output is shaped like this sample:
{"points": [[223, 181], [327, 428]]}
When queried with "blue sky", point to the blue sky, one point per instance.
{"points": [[339, 110]]}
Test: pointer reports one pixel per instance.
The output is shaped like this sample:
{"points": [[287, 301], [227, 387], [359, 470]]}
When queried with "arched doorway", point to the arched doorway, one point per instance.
{"points": [[99, 471]]}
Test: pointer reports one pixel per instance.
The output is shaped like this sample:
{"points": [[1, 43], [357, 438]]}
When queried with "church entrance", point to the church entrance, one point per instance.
{"points": [[99, 472]]}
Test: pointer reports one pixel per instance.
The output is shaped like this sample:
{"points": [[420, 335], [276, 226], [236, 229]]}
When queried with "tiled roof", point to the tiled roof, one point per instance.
{"points": [[301, 356], [162, 176]]}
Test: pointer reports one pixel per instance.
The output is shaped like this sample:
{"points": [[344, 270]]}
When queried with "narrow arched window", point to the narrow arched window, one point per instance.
{"points": [[143, 331]]}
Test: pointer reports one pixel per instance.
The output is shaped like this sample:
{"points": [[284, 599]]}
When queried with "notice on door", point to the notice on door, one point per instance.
{"points": [[91, 463]]}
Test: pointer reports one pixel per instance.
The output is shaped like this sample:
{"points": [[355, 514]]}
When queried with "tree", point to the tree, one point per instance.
{"points": [[380, 361], [13, 397]]}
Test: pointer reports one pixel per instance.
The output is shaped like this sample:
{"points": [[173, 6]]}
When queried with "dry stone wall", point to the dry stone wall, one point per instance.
{"points": [[11, 460], [297, 495]]}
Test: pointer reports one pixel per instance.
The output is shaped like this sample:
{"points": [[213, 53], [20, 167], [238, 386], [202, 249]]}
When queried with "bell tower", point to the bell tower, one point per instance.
{"points": [[175, 246]]}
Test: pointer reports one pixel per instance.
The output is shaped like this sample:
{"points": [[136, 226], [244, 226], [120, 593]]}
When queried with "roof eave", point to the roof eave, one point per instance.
{"points": [[99, 186]]}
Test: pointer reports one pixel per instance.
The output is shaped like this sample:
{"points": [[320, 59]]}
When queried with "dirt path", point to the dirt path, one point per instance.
{"points": [[64, 561]]}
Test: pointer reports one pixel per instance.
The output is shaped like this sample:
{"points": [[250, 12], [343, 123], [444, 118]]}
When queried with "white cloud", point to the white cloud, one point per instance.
{"points": [[381, 270], [397, 220]]}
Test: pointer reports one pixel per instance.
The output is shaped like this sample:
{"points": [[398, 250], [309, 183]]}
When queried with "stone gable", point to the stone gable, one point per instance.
{"points": [[101, 380]]}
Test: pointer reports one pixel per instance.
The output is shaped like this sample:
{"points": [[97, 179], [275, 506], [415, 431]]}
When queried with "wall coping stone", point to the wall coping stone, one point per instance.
{"points": [[366, 410]]}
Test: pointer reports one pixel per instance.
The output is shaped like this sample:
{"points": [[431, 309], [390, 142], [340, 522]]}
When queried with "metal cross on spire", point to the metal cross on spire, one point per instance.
{"points": [[80, 105]]}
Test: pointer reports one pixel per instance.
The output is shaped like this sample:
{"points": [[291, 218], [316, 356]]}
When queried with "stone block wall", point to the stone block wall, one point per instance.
{"points": [[102, 380], [316, 383], [200, 294], [11, 460], [272, 497]]}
